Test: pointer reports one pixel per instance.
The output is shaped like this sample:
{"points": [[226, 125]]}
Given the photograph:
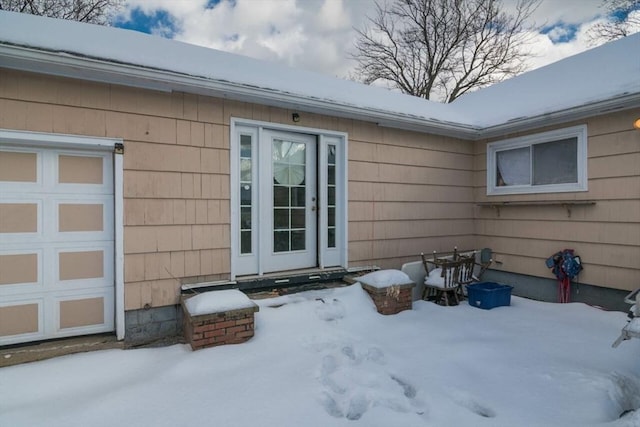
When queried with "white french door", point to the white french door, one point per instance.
{"points": [[288, 194], [287, 187]]}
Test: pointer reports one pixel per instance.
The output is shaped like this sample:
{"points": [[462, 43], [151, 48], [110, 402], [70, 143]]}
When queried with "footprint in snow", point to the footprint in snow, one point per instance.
{"points": [[331, 406], [409, 390], [467, 401], [358, 405], [330, 309], [329, 366], [375, 355], [354, 380], [348, 351]]}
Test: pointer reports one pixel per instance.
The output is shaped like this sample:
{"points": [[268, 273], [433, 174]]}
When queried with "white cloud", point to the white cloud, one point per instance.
{"points": [[333, 16], [546, 50], [569, 11], [175, 7]]}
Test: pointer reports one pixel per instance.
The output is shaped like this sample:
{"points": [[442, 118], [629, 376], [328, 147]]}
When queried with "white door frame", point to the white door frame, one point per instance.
{"points": [[334, 256], [61, 141]]}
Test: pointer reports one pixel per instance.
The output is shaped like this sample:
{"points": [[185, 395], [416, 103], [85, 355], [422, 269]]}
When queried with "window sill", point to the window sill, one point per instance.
{"points": [[567, 204]]}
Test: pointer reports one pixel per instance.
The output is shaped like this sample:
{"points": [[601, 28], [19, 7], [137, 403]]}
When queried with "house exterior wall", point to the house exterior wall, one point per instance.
{"points": [[606, 235], [408, 192]]}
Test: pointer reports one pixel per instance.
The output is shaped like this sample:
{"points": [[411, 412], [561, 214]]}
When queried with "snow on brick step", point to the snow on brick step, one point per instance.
{"points": [[217, 318], [390, 290]]}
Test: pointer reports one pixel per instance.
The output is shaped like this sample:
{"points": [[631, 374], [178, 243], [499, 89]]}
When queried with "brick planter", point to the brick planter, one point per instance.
{"points": [[390, 290], [391, 299], [223, 325]]}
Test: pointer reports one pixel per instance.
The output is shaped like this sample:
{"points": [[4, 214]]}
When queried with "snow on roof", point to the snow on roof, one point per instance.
{"points": [[596, 75]]}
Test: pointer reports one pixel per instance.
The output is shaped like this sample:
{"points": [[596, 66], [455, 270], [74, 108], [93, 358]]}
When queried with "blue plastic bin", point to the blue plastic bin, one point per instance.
{"points": [[487, 295]]}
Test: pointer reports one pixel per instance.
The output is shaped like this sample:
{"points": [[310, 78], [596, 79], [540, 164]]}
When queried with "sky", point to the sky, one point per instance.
{"points": [[319, 35]]}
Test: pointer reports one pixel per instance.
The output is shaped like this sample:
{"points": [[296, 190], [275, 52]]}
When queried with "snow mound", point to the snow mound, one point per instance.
{"points": [[385, 278], [326, 358], [217, 301]]}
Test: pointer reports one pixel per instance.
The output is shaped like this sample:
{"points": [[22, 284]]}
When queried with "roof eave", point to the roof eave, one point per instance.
{"points": [[621, 102]]}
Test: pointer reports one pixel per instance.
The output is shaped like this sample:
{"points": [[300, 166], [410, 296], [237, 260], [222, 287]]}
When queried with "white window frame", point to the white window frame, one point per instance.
{"points": [[579, 132]]}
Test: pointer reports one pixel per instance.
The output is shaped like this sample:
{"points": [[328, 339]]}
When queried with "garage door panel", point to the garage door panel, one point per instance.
{"points": [[80, 217], [89, 219], [79, 169], [21, 320], [19, 269], [19, 166], [81, 265], [81, 312], [20, 218], [89, 312], [81, 173]]}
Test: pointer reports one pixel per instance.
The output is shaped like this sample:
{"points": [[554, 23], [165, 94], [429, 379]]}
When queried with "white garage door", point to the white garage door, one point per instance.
{"points": [[56, 243]]}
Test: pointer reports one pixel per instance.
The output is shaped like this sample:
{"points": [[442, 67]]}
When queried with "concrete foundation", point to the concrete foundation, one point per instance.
{"points": [[543, 289], [153, 324]]}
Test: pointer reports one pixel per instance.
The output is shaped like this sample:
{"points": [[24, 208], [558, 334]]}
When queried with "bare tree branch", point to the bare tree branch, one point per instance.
{"points": [[443, 48], [622, 19], [92, 11]]}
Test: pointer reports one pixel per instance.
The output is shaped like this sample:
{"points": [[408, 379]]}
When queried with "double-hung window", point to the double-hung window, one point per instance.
{"points": [[546, 162]]}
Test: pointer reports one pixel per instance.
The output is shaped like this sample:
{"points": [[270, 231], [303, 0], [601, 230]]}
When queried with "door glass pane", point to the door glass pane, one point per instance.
{"points": [[298, 196], [245, 146], [555, 162], [280, 195], [331, 196], [331, 175], [289, 195], [245, 241], [245, 194], [298, 217], [281, 219], [281, 241], [331, 158], [245, 218], [331, 238], [298, 240], [331, 220], [246, 172], [288, 162]]}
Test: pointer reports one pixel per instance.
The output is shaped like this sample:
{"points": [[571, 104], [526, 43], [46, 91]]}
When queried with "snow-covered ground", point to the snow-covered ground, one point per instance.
{"points": [[327, 358]]}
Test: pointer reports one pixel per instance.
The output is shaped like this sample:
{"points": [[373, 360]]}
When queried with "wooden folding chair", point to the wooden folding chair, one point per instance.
{"points": [[443, 280]]}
